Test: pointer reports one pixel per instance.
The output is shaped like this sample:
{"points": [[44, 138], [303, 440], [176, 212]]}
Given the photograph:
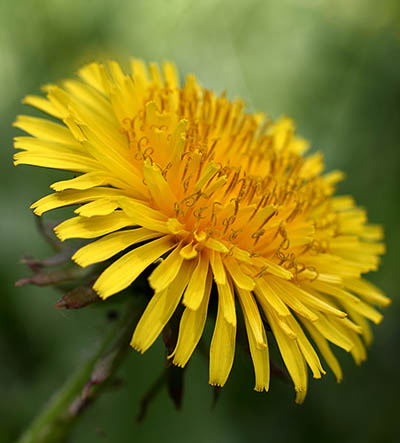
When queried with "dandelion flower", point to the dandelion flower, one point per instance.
{"points": [[228, 202]]}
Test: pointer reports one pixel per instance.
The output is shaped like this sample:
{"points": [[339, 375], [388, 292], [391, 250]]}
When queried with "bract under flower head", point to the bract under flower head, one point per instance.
{"points": [[226, 198]]}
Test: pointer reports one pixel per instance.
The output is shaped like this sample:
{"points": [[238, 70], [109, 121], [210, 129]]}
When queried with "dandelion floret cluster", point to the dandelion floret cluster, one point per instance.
{"points": [[230, 203]]}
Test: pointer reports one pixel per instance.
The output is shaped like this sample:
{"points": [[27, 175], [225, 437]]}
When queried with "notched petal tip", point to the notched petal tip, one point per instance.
{"points": [[300, 396], [262, 388], [77, 260], [137, 347], [178, 363], [215, 383], [58, 233]]}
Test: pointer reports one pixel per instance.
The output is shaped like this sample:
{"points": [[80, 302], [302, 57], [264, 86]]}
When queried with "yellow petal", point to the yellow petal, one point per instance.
{"points": [[159, 188], [175, 227], [75, 129], [90, 97], [42, 104], [178, 144], [116, 72], [372, 232], [125, 270], [291, 355], [110, 245], [160, 309], [358, 351], [189, 251], [363, 323], [336, 292], [257, 340], [325, 349], [347, 323], [114, 158], [84, 181], [143, 215], [289, 297], [91, 121], [101, 206], [94, 74], [139, 71], [311, 300], [368, 291], [326, 327], [171, 75], [154, 117], [71, 197], [216, 245], [155, 75], [271, 267], [82, 227], [267, 297], [196, 288], [167, 271], [239, 277], [208, 173], [342, 202], [59, 99], [217, 267], [57, 156], [286, 329], [306, 348], [364, 309], [252, 314], [45, 129], [227, 299], [191, 328], [222, 349], [240, 255]]}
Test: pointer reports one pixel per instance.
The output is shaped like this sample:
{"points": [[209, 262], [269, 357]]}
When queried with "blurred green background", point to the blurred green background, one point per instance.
{"points": [[331, 65]]}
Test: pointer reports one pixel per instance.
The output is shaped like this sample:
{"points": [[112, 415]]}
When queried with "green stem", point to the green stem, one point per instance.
{"points": [[55, 422]]}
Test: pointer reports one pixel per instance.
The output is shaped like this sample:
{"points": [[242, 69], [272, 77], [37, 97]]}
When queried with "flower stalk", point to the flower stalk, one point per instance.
{"points": [[58, 417]]}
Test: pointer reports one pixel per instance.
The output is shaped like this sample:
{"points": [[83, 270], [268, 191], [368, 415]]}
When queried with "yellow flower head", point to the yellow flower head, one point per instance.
{"points": [[226, 199]]}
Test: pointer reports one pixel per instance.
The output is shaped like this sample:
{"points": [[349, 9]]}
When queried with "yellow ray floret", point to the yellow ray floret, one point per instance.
{"points": [[225, 203]]}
